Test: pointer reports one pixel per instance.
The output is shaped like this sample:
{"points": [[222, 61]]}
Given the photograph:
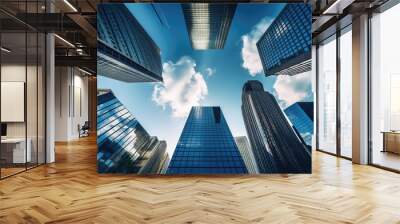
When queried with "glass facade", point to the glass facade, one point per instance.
{"points": [[22, 77], [124, 146], [363, 55], [154, 163], [346, 92], [327, 91], [208, 24], [206, 145], [334, 83], [385, 89], [247, 154], [287, 42], [301, 116], [125, 51], [276, 146]]}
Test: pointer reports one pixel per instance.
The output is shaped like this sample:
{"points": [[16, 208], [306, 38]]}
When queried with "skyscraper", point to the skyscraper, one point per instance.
{"points": [[124, 146], [247, 154], [153, 161], [208, 24], [285, 47], [275, 145], [124, 49], [164, 169], [300, 115], [206, 145]]}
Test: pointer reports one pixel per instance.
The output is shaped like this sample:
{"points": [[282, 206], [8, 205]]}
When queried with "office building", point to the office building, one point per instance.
{"points": [[164, 168], [125, 51], [285, 47], [206, 145], [124, 146], [208, 24], [155, 161], [301, 115], [247, 154], [275, 145]]}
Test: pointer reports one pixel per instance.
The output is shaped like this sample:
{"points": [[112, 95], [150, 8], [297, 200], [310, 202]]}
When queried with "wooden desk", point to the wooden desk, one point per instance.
{"points": [[13, 150], [391, 141]]}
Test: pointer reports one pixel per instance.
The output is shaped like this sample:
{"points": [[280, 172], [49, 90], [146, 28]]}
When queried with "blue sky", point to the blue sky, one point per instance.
{"points": [[209, 78]]}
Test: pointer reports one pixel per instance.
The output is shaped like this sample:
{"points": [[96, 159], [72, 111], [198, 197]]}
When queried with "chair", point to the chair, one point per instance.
{"points": [[84, 130]]}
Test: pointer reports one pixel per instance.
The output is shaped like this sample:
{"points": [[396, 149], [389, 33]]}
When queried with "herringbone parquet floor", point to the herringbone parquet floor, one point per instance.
{"points": [[70, 191]]}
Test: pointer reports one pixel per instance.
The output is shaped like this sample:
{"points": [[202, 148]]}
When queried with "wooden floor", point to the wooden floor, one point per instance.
{"points": [[5, 172], [387, 159], [70, 191]]}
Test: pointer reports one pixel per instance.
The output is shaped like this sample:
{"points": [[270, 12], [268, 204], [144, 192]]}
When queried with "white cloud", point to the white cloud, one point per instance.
{"points": [[183, 87], [210, 71], [292, 89], [251, 59]]}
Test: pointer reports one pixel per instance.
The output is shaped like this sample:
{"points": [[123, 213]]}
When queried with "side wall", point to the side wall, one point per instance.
{"points": [[71, 102]]}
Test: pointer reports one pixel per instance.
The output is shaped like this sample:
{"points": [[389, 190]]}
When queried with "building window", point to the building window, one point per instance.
{"points": [[346, 92], [327, 95], [385, 89]]}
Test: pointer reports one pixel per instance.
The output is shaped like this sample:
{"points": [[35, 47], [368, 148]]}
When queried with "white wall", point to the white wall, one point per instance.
{"points": [[81, 113], [61, 104], [71, 102]]}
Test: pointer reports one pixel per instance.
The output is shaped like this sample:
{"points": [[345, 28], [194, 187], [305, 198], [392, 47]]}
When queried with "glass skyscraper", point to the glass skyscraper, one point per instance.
{"points": [[247, 154], [275, 145], [124, 49], [124, 146], [285, 47], [154, 160], [300, 115], [208, 24], [206, 145]]}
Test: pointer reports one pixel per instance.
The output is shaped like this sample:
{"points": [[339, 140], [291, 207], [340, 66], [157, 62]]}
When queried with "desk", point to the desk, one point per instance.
{"points": [[391, 141], [13, 150]]}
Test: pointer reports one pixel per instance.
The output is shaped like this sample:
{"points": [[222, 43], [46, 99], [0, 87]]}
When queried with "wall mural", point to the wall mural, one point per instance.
{"points": [[204, 88]]}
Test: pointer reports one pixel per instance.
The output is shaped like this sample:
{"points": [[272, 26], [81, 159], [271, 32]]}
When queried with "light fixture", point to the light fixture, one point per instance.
{"points": [[64, 40], [70, 5], [5, 50], [337, 7], [84, 71]]}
